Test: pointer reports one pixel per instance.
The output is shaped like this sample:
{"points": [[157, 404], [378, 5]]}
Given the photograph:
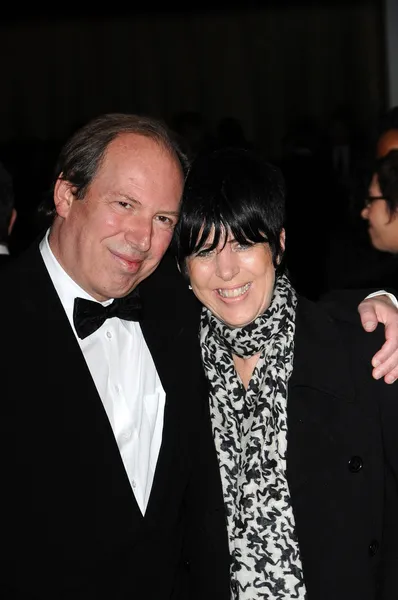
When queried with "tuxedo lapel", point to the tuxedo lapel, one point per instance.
{"points": [[74, 397], [170, 326], [175, 363]]}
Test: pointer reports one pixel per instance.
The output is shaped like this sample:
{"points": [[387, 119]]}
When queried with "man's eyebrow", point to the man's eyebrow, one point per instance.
{"points": [[173, 213], [119, 195]]}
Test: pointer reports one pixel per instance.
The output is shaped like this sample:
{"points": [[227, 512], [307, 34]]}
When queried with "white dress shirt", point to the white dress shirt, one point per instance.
{"points": [[4, 249], [126, 379]]}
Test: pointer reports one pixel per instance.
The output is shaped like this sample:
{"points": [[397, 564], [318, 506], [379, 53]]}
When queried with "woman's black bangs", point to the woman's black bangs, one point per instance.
{"points": [[226, 215], [248, 235], [247, 226], [202, 234], [243, 233]]}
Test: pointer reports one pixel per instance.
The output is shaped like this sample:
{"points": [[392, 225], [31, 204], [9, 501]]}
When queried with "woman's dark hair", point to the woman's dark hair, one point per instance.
{"points": [[387, 174], [230, 190], [82, 155]]}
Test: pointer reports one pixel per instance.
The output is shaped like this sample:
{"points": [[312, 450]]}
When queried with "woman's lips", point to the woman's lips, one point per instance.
{"points": [[233, 293]]}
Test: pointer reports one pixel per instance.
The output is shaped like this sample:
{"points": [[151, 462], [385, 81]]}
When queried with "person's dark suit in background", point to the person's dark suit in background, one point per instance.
{"points": [[8, 213], [107, 459]]}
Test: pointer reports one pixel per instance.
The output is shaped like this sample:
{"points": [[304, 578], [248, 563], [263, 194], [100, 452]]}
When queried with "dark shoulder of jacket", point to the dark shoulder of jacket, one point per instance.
{"points": [[344, 303], [345, 323]]}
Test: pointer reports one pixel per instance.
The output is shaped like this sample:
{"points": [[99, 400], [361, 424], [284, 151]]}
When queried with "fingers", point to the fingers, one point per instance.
{"points": [[390, 374], [385, 361], [368, 315], [376, 310]]}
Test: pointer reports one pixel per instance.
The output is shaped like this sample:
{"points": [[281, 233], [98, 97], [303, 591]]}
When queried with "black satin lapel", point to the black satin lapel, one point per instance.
{"points": [[172, 339], [70, 388]]}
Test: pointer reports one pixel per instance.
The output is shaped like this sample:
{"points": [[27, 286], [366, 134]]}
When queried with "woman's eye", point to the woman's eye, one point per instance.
{"points": [[204, 253], [242, 246]]}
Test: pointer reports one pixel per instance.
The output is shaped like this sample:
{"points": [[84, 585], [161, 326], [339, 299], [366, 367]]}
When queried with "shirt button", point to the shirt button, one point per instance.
{"points": [[108, 335], [126, 435], [133, 483], [355, 464]]}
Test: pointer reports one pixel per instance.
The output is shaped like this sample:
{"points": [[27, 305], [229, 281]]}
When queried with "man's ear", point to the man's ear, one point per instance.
{"points": [[63, 197]]}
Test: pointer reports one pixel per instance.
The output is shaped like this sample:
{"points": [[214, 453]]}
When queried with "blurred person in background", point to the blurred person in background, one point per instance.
{"points": [[381, 204], [8, 214]]}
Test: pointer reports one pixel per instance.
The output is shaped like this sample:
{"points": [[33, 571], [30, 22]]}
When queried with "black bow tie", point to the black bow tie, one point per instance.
{"points": [[88, 316]]}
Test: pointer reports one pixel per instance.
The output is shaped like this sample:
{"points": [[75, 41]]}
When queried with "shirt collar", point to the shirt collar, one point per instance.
{"points": [[67, 289]]}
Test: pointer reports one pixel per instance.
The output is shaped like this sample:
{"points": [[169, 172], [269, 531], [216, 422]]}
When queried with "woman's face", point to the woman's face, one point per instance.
{"points": [[235, 282]]}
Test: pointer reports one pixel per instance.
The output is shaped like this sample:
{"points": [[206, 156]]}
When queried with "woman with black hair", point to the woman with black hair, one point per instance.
{"points": [[305, 437]]}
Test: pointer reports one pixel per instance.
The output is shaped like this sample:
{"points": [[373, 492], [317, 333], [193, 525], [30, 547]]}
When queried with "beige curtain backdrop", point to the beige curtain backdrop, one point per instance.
{"points": [[263, 66]]}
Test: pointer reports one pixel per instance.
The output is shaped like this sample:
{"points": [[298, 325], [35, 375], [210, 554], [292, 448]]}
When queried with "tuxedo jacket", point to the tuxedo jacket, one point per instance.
{"points": [[70, 524], [4, 259]]}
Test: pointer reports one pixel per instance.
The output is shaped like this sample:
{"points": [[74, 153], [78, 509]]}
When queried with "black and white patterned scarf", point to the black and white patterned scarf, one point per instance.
{"points": [[250, 432]]}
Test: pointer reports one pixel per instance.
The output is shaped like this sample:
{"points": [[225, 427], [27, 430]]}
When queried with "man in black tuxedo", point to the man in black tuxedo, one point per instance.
{"points": [[8, 213], [109, 478], [107, 456]]}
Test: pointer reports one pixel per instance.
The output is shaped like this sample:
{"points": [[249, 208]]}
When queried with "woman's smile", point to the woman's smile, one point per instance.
{"points": [[234, 293]]}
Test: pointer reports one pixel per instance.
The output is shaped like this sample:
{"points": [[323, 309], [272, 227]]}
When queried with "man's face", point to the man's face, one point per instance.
{"points": [[116, 236]]}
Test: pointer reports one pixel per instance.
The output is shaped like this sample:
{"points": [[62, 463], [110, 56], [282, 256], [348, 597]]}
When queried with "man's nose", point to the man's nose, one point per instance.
{"points": [[139, 233]]}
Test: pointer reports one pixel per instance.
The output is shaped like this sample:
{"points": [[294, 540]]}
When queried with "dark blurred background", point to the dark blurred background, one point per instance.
{"points": [[292, 78]]}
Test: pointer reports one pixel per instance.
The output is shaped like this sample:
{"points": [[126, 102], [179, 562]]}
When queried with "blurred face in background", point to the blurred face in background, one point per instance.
{"points": [[386, 142], [382, 226]]}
